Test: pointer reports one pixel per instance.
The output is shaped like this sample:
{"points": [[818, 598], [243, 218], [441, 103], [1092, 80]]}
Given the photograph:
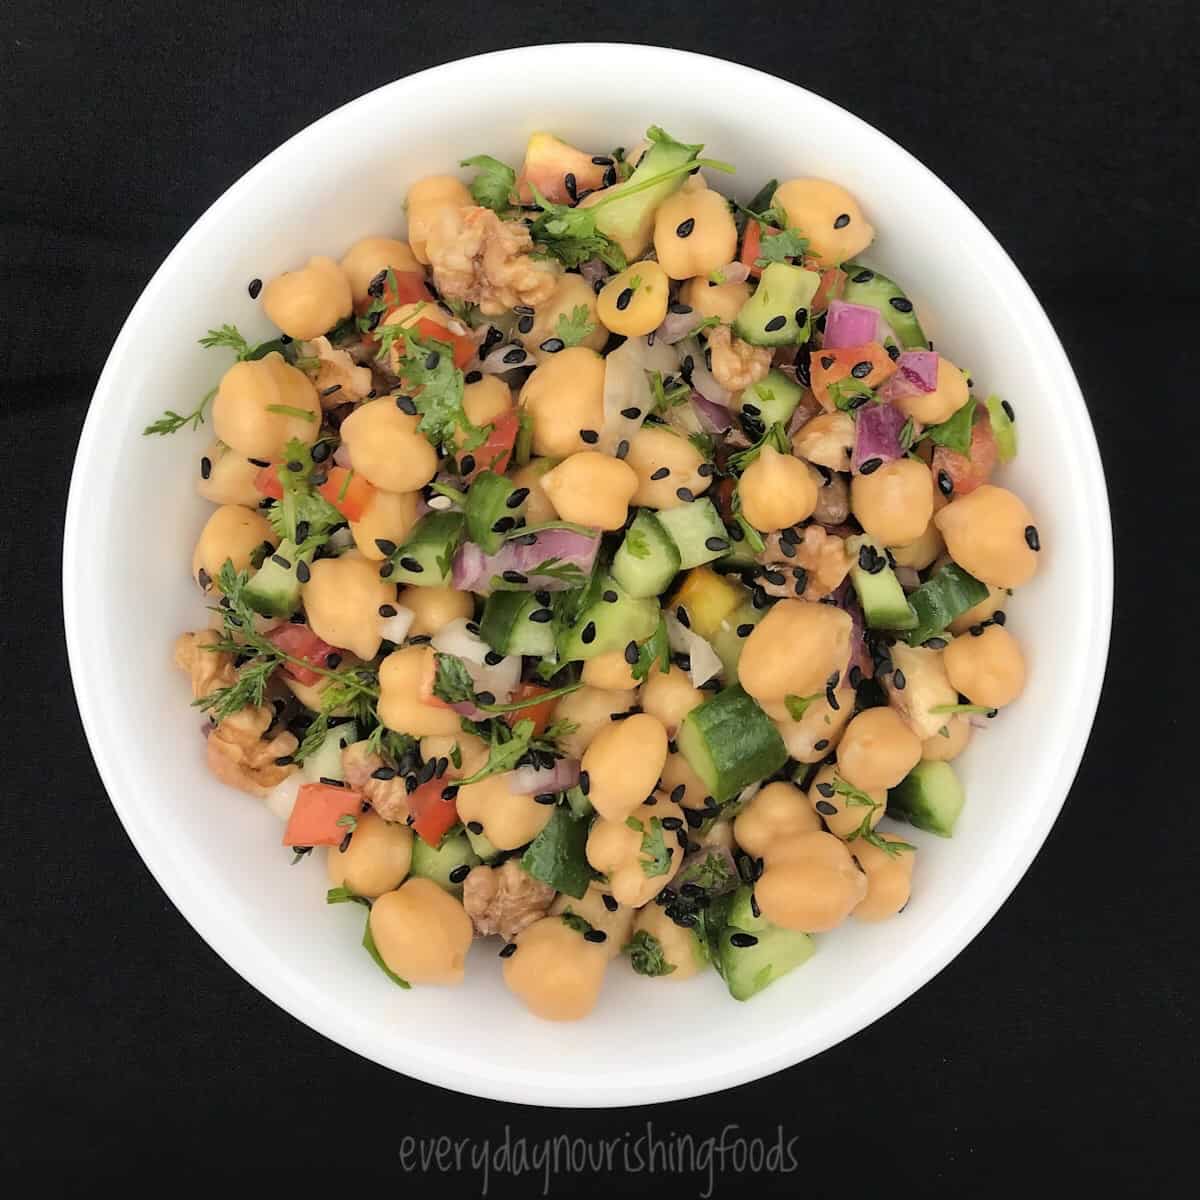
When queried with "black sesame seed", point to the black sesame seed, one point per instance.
{"points": [[901, 304], [826, 790], [610, 176], [545, 798], [855, 676], [751, 410], [384, 773], [736, 532], [386, 547], [459, 873], [827, 361], [631, 414], [572, 185], [514, 356], [632, 653], [831, 699], [385, 572], [936, 643], [467, 464], [284, 760], [998, 618], [595, 935], [843, 219], [623, 299], [508, 951], [472, 377], [279, 560], [585, 782], [822, 744], [945, 483], [516, 577], [775, 324], [1031, 537], [610, 597], [590, 436], [331, 389], [475, 827], [330, 782], [485, 698], [254, 288], [504, 524], [588, 636], [603, 160], [898, 680], [1008, 410], [517, 498], [205, 467], [977, 631], [405, 405], [825, 808], [694, 817], [684, 228], [492, 659], [610, 901], [553, 345], [540, 616], [411, 564], [661, 473], [743, 941], [304, 574], [320, 452], [295, 466], [472, 628], [801, 316], [525, 324], [860, 370], [687, 495], [431, 360], [301, 531], [622, 448], [864, 276]]}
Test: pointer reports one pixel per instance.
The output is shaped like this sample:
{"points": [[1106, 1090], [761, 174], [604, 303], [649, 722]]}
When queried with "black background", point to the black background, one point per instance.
{"points": [[1060, 1047]]}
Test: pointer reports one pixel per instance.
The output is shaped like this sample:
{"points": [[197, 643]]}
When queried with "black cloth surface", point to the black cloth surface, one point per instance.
{"points": [[1059, 1049]]}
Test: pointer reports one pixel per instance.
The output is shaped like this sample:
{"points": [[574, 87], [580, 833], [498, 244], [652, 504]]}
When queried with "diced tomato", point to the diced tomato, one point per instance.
{"points": [[348, 492], [315, 815], [539, 714], [432, 813], [462, 344], [751, 246], [832, 366], [300, 642], [267, 482], [969, 471], [830, 288], [494, 454], [410, 287]]}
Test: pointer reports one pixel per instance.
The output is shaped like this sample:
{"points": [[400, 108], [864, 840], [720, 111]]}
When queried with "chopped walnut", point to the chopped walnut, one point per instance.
{"points": [[209, 669], [736, 364], [336, 377], [242, 755], [388, 797], [821, 554], [477, 258], [504, 899]]}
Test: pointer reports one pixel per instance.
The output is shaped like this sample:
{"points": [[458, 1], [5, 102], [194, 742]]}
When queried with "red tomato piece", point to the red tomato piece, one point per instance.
{"points": [[348, 492], [300, 642], [832, 366], [752, 246], [830, 288], [495, 453], [462, 345], [969, 471], [409, 289], [539, 714], [267, 482], [315, 816], [432, 813]]}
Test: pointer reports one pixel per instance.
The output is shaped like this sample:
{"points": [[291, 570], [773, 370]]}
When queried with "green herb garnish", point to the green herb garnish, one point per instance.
{"points": [[646, 955], [494, 185]]}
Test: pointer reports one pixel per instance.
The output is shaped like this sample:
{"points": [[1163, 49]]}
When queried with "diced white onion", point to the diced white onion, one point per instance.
{"points": [[501, 679], [281, 799], [702, 379], [704, 664], [395, 628]]}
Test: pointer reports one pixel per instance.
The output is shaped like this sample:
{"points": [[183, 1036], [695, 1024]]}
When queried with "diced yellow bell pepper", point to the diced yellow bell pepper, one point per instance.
{"points": [[709, 598]]}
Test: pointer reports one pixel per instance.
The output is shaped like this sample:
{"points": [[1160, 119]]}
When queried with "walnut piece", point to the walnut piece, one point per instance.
{"points": [[241, 755], [388, 797], [336, 377], [479, 259], [209, 669], [736, 364], [822, 555], [504, 899]]}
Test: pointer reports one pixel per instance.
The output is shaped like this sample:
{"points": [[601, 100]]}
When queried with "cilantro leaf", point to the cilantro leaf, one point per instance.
{"points": [[775, 437], [654, 845], [452, 681], [506, 749], [797, 706], [570, 235], [494, 183], [227, 337], [779, 247], [848, 394], [713, 874], [576, 328], [955, 433], [655, 649], [646, 955], [343, 895], [574, 921], [637, 544]]}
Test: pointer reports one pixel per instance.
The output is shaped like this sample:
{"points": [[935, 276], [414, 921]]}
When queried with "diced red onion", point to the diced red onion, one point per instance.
{"points": [[860, 657], [678, 325], [499, 678], [978, 720], [849, 324], [341, 456], [702, 379], [473, 570], [908, 578], [703, 662], [734, 272], [877, 435], [697, 858], [535, 781], [714, 418], [916, 375], [594, 271], [395, 628]]}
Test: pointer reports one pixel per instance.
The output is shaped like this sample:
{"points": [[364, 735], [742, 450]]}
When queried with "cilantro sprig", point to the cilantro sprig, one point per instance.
{"points": [[227, 337], [776, 437], [576, 328], [494, 185], [655, 649], [646, 955], [654, 845]]}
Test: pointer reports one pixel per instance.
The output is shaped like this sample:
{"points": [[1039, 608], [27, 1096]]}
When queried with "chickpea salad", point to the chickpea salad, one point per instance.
{"points": [[598, 568]]}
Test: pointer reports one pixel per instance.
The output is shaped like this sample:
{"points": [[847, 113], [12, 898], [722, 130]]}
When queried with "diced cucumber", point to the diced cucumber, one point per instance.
{"points": [[605, 625], [930, 797], [426, 557], [624, 218], [274, 589], [728, 642], [864, 285], [579, 804], [753, 953], [884, 604], [439, 863], [773, 399], [777, 313], [325, 762], [647, 559], [507, 627], [938, 601], [556, 856], [1004, 428], [480, 845], [488, 505], [697, 530], [730, 742]]}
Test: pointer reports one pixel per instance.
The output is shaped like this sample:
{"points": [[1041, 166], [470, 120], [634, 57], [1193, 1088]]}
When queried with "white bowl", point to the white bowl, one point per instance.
{"points": [[133, 516]]}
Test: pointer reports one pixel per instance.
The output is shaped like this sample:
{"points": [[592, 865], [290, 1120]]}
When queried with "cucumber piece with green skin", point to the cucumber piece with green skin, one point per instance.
{"points": [[865, 285], [556, 856], [647, 559], [938, 601], [274, 589], [441, 862], [697, 530], [489, 503], [730, 743], [325, 762], [752, 953], [728, 643], [624, 216], [426, 558], [777, 313], [1004, 428], [508, 628], [605, 625], [884, 604], [929, 797], [480, 844], [774, 398]]}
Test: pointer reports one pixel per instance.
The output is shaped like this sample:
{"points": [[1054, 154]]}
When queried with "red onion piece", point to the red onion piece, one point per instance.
{"points": [[729, 877], [734, 272], [916, 375], [341, 456], [594, 271], [534, 781], [678, 325], [877, 435], [714, 418], [978, 720], [860, 657], [849, 324], [473, 570], [908, 578]]}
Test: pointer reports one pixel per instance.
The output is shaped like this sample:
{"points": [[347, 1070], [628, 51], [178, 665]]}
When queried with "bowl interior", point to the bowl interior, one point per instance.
{"points": [[134, 515]]}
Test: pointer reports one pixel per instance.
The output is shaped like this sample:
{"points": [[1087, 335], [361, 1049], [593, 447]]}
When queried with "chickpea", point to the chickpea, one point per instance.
{"points": [[677, 773], [570, 292], [922, 552], [593, 907], [228, 477], [370, 255], [538, 508], [680, 946], [925, 688], [720, 300], [877, 750], [242, 409], [622, 849], [894, 503], [427, 198], [943, 747], [794, 650], [694, 233], [483, 402], [773, 813], [433, 608], [777, 490], [233, 533], [590, 710], [651, 449], [988, 669], [308, 302], [377, 859], [623, 763], [400, 707], [386, 448], [634, 301], [990, 533], [422, 932], [810, 883], [810, 739], [472, 750], [555, 971], [670, 697], [591, 488], [827, 440], [947, 397], [508, 819], [342, 599], [985, 610], [389, 517], [828, 216], [609, 671], [841, 817], [311, 694], [889, 879], [564, 395]]}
